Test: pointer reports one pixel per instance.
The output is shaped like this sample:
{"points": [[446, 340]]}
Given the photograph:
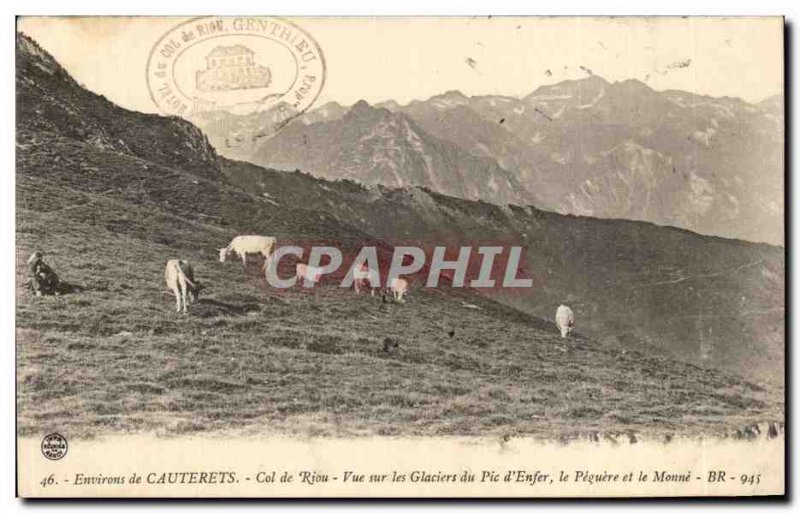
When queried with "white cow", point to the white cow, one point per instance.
{"points": [[308, 273], [399, 287], [244, 244], [180, 279], [565, 318], [365, 275]]}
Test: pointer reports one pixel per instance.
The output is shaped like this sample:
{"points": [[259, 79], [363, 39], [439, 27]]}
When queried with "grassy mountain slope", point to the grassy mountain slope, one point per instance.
{"points": [[114, 357], [711, 301]]}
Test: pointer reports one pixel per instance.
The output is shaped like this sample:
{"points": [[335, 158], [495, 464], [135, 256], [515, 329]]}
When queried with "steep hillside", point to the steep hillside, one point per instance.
{"points": [[50, 101], [710, 301], [590, 147], [114, 357]]}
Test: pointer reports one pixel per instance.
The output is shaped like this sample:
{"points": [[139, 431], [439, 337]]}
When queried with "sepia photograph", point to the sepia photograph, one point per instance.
{"points": [[464, 256]]}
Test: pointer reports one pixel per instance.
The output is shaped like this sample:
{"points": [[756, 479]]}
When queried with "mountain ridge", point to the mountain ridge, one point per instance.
{"points": [[376, 146], [612, 150]]}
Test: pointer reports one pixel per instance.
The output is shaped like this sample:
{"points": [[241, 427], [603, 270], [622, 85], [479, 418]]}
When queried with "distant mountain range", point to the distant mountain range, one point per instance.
{"points": [[583, 147]]}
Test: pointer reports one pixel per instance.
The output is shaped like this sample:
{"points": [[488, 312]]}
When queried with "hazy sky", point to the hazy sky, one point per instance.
{"points": [[414, 58]]}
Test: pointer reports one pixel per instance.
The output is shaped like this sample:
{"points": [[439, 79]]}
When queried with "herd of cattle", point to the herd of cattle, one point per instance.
{"points": [[179, 276]]}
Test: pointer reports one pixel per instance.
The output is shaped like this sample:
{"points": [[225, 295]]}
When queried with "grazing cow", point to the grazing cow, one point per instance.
{"points": [[399, 287], [244, 244], [309, 273], [365, 275], [180, 279], [565, 318]]}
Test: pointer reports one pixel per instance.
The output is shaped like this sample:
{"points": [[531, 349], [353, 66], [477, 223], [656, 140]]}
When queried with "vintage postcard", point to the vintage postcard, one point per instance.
{"points": [[264, 256]]}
